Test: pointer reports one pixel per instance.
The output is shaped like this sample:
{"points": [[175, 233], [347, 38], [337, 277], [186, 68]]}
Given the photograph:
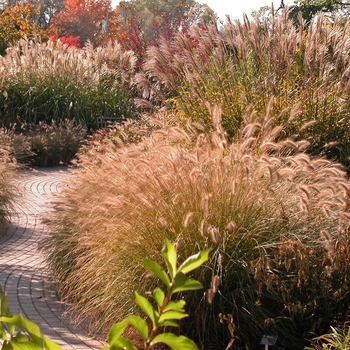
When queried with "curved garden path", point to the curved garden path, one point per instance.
{"points": [[23, 275]]}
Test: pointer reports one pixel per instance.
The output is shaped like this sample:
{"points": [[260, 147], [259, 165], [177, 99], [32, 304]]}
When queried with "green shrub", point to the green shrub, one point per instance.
{"points": [[166, 312], [245, 64], [259, 203], [48, 81], [17, 332]]}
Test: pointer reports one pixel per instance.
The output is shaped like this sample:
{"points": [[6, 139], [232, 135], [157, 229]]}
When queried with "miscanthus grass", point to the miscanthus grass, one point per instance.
{"points": [[247, 62], [8, 169], [43, 144], [51, 81], [276, 218], [55, 143]]}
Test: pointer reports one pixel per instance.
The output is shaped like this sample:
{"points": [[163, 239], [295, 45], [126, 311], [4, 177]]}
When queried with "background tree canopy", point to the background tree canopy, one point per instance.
{"points": [[135, 23], [309, 8], [82, 19], [150, 19], [18, 21]]}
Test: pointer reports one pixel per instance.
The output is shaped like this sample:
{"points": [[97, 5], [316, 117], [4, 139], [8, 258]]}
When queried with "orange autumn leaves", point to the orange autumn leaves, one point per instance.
{"points": [[135, 24], [16, 22], [81, 20], [78, 22]]}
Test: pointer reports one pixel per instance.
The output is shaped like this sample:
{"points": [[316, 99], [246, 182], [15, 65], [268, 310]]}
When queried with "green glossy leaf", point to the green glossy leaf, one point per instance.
{"points": [[170, 256], [3, 335], [177, 305], [171, 315], [20, 338], [115, 334], [2, 299], [22, 322], [159, 296], [51, 345], [175, 342], [170, 323], [139, 323], [183, 283], [116, 331], [123, 344], [157, 270], [147, 308], [6, 346], [25, 345], [194, 261], [32, 329], [12, 328], [4, 304]]}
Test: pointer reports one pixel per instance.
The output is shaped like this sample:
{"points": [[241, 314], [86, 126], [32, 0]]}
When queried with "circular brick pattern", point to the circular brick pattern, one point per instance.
{"points": [[23, 275]]}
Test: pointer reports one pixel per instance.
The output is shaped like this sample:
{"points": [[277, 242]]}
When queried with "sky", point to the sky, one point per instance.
{"points": [[235, 8]]}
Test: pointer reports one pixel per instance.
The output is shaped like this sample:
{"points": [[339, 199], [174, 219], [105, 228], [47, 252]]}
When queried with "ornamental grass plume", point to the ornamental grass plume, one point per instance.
{"points": [[8, 169], [259, 201], [246, 63], [51, 81]]}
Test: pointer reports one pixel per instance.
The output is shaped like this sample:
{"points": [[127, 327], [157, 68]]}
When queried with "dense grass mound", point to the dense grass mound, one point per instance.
{"points": [[276, 218], [7, 173], [55, 143], [43, 144]]}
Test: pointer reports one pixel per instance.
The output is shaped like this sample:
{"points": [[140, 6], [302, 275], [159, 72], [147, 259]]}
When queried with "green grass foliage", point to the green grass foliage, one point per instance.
{"points": [[50, 81], [246, 63], [276, 219], [338, 339]]}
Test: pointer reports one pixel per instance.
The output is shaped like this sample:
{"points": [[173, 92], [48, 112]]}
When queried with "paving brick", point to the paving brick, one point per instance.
{"points": [[22, 271]]}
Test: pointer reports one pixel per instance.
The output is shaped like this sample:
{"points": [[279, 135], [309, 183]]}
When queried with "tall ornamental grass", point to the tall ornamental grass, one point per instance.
{"points": [[245, 63], [7, 173], [276, 218], [43, 144], [51, 81], [16, 144], [55, 143]]}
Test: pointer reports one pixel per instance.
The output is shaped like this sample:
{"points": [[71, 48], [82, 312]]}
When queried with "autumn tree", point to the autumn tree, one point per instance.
{"points": [[83, 20], [145, 21], [18, 21], [47, 10], [309, 8]]}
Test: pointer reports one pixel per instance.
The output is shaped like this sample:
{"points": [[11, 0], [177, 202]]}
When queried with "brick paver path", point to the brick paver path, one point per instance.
{"points": [[23, 275]]}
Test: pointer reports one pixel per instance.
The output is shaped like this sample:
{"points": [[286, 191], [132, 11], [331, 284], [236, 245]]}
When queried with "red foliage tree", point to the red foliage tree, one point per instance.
{"points": [[83, 19], [146, 21], [68, 40]]}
